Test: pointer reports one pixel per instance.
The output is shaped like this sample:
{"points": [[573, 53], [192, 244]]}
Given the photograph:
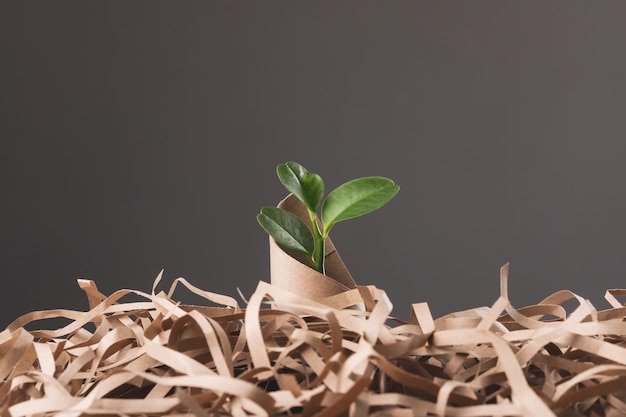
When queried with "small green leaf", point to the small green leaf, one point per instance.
{"points": [[305, 185], [287, 229], [356, 198]]}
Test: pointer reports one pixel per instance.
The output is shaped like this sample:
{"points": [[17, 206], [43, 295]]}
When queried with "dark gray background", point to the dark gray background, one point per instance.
{"points": [[140, 136]]}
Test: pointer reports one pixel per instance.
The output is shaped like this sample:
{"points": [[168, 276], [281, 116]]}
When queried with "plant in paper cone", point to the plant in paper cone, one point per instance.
{"points": [[351, 199], [160, 357]]}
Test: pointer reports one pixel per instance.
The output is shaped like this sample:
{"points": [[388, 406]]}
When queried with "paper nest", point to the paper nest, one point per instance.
{"points": [[158, 357], [315, 345]]}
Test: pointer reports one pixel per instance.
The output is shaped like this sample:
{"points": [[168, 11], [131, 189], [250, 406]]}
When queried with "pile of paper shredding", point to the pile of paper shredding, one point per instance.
{"points": [[286, 355]]}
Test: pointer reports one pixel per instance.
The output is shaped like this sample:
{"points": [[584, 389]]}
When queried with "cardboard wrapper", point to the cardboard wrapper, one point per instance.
{"points": [[304, 350], [291, 271]]}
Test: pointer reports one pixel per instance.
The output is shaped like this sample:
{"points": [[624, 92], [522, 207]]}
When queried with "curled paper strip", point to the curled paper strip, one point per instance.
{"points": [[291, 271], [157, 357]]}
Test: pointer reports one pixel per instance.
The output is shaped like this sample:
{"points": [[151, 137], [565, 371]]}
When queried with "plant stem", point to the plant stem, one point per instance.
{"points": [[319, 244], [319, 254]]}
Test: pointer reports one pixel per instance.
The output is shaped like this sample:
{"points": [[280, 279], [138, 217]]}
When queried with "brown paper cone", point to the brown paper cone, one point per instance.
{"points": [[291, 271]]}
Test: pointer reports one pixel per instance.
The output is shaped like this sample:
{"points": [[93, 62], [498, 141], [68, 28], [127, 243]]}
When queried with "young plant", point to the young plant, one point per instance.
{"points": [[352, 199]]}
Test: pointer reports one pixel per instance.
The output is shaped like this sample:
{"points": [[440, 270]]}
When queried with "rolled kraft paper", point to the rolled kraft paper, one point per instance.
{"points": [[291, 271]]}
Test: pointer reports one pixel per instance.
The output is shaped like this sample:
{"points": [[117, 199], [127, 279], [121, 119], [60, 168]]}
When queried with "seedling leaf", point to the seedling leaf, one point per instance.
{"points": [[287, 229], [356, 198], [307, 186]]}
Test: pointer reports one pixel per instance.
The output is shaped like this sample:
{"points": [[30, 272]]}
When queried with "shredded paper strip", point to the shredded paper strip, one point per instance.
{"points": [[283, 354]]}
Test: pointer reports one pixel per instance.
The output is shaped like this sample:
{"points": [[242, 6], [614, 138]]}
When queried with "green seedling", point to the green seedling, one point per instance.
{"points": [[352, 199]]}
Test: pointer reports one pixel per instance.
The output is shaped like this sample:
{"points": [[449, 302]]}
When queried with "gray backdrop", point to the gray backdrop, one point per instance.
{"points": [[140, 136]]}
